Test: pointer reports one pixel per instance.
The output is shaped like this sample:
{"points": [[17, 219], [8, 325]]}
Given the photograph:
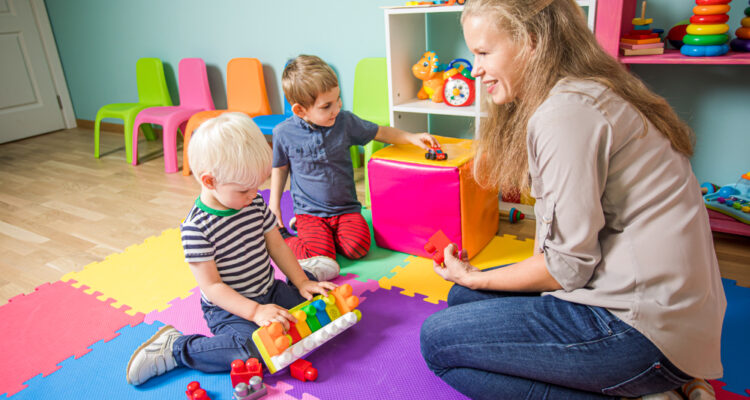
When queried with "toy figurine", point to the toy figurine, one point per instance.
{"points": [[435, 153], [429, 70]]}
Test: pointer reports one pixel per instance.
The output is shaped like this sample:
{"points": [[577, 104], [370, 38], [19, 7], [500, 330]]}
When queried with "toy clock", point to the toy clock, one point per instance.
{"points": [[458, 88]]}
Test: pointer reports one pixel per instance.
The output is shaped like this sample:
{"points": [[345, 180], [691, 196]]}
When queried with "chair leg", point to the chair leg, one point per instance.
{"points": [[97, 127], [129, 140], [148, 132], [134, 141], [185, 143], [354, 153], [169, 136]]}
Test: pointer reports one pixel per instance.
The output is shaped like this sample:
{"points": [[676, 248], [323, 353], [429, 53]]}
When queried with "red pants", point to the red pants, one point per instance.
{"points": [[347, 234]]}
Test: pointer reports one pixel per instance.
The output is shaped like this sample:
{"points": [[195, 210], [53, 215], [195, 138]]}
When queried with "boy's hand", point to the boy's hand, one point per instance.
{"points": [[310, 288], [277, 212], [423, 140], [265, 314]]}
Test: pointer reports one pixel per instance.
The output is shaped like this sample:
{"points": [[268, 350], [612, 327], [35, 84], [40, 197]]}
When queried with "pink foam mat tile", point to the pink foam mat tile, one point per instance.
{"points": [[56, 321], [184, 314]]}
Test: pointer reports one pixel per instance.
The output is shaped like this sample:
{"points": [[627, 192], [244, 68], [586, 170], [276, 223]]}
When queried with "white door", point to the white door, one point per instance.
{"points": [[29, 104]]}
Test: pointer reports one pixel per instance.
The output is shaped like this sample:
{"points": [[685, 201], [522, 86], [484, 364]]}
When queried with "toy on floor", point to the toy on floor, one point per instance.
{"points": [[435, 153], [318, 321], [742, 42], [514, 215], [195, 392], [642, 40], [252, 390], [429, 70], [242, 371], [732, 200], [303, 370], [459, 87], [706, 34], [436, 246]]}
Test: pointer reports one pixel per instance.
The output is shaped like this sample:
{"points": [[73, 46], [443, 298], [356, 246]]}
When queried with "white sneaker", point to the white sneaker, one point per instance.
{"points": [[322, 267], [154, 357]]}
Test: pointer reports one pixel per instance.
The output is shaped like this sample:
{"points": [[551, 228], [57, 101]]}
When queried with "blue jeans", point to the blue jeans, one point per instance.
{"points": [[232, 338], [495, 345]]}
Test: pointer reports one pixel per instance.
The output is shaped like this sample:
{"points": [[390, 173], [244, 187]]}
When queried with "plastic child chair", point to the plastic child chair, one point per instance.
{"points": [[152, 92], [266, 123], [246, 92], [195, 96], [370, 103]]}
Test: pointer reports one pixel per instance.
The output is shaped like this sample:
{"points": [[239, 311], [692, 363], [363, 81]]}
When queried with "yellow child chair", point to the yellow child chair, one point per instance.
{"points": [[152, 92], [246, 92], [370, 103]]}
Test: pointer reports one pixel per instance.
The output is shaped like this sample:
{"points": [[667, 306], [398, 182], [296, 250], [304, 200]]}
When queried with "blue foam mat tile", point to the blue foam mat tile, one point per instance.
{"points": [[735, 338]]}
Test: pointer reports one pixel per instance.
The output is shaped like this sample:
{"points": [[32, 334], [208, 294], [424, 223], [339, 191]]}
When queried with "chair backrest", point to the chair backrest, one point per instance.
{"points": [[371, 90], [246, 87], [287, 106], [152, 85], [193, 82]]}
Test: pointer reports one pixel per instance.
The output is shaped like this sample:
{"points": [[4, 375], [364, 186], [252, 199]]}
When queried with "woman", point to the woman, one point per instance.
{"points": [[623, 295]]}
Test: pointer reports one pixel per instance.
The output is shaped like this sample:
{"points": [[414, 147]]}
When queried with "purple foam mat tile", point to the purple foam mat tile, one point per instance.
{"points": [[379, 357], [287, 206], [184, 314], [359, 288]]}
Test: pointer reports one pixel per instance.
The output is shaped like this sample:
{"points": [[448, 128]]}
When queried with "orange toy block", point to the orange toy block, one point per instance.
{"points": [[345, 300], [274, 339], [640, 41]]}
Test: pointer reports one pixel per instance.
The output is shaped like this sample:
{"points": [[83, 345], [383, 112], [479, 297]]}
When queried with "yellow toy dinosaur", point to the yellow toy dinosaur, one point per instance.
{"points": [[427, 69]]}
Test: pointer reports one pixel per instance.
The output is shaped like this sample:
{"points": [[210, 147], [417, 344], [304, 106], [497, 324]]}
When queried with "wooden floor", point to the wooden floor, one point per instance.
{"points": [[61, 208]]}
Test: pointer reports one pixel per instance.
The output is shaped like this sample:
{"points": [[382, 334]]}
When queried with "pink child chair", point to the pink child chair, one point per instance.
{"points": [[195, 96]]}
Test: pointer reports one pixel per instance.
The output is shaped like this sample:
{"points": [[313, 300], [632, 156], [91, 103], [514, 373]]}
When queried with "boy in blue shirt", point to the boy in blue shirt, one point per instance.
{"points": [[228, 237], [313, 146]]}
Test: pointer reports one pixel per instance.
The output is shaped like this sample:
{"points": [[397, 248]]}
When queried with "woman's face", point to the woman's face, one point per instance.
{"points": [[494, 58]]}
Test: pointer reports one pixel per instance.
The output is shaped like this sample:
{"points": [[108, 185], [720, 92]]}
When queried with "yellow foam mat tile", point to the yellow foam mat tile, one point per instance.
{"points": [[145, 276], [418, 276]]}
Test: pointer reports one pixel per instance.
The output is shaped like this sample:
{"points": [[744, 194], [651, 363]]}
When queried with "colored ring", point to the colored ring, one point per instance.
{"points": [[742, 33], [745, 22], [711, 10], [704, 51], [705, 40], [742, 45], [711, 2], [642, 21], [713, 29], [709, 19]]}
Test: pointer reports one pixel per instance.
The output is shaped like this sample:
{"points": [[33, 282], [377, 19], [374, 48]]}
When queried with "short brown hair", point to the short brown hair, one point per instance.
{"points": [[305, 78]]}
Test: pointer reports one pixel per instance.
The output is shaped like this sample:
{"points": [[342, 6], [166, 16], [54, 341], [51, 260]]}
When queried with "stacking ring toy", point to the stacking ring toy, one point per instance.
{"points": [[709, 19], [745, 22], [742, 33], [711, 2], [712, 29], [711, 10], [742, 45], [704, 51], [705, 40], [642, 21]]}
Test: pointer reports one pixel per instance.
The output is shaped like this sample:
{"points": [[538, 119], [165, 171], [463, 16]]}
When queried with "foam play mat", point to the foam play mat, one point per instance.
{"points": [[72, 339]]}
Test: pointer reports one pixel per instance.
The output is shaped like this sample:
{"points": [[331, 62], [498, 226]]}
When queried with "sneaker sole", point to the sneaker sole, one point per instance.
{"points": [[143, 346]]}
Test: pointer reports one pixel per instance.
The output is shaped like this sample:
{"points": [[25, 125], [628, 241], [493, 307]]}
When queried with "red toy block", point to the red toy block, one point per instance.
{"points": [[195, 392], [437, 244], [242, 371], [303, 370]]}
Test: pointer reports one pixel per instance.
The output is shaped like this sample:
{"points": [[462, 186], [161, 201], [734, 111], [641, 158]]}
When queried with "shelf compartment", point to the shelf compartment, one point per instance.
{"points": [[671, 56]]}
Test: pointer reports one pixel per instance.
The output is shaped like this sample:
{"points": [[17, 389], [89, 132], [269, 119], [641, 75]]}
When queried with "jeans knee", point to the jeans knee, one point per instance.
{"points": [[457, 295]]}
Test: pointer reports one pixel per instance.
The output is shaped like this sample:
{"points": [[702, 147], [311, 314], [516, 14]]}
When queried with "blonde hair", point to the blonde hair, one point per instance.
{"points": [[232, 149], [557, 44], [305, 78]]}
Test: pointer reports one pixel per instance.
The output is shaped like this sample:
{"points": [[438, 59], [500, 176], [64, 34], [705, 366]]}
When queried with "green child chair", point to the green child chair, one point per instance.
{"points": [[370, 103], [152, 91]]}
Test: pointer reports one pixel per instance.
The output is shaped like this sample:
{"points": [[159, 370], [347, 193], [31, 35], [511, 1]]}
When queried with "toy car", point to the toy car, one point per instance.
{"points": [[435, 153]]}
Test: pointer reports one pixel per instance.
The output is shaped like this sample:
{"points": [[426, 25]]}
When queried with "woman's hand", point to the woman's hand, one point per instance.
{"points": [[423, 140], [456, 270], [310, 288], [265, 314]]}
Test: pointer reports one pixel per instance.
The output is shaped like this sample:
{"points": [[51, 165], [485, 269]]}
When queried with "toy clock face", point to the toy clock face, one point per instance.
{"points": [[458, 91]]}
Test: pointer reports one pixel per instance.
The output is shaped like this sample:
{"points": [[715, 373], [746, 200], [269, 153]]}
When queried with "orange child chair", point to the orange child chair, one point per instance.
{"points": [[246, 92], [195, 96]]}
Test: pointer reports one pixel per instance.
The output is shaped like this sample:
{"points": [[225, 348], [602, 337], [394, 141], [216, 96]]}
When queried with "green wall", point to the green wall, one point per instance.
{"points": [[100, 41]]}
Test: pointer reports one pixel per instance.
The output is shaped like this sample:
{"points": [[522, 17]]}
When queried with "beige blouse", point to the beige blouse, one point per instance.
{"points": [[621, 223]]}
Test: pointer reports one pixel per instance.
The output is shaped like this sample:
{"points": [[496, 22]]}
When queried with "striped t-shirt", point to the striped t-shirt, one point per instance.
{"points": [[235, 240]]}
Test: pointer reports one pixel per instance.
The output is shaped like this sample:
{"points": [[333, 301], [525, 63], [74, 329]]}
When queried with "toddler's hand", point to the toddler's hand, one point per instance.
{"points": [[423, 140], [310, 288], [265, 314]]}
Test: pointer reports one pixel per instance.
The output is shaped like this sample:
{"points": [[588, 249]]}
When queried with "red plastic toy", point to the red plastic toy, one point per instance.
{"points": [[242, 371], [437, 244], [195, 392], [435, 153], [303, 370]]}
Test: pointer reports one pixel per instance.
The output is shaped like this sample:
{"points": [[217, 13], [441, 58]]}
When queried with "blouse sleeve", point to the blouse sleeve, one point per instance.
{"points": [[568, 149]]}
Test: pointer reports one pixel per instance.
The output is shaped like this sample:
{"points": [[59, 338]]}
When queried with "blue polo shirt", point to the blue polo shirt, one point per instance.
{"points": [[320, 165]]}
